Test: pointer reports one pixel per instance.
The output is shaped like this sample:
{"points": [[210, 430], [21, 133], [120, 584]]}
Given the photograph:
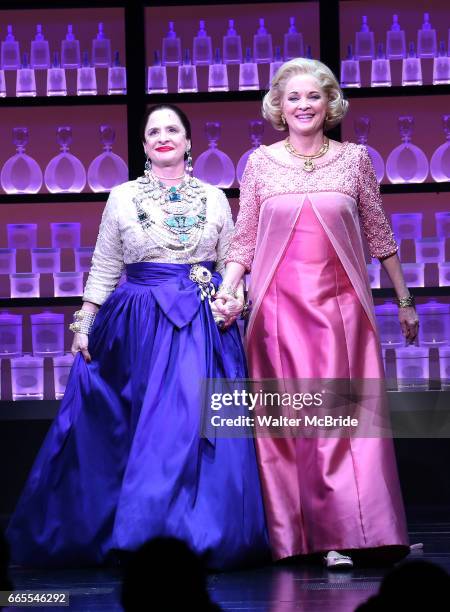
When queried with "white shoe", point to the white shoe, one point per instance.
{"points": [[335, 560]]}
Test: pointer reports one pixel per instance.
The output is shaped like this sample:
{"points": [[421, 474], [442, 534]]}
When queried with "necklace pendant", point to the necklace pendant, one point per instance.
{"points": [[308, 165]]}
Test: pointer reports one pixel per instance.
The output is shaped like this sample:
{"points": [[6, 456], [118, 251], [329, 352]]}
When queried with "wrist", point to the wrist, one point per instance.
{"points": [[406, 301], [83, 320]]}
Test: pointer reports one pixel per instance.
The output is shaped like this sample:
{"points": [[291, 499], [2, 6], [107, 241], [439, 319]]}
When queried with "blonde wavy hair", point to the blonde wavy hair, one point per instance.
{"points": [[337, 106]]}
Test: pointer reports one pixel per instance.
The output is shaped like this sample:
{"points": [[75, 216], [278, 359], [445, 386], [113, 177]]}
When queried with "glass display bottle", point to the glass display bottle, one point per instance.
{"points": [[214, 166], [426, 39], [218, 74], [65, 173], [381, 70], [101, 49], [275, 64], [248, 73], [395, 41], [70, 50], [171, 48], [117, 77], [412, 68], [2, 84], [361, 126], [350, 71], [232, 45], [25, 80], [40, 51], [202, 47], [108, 169], [56, 78], [441, 66], [256, 131], [187, 75], [86, 78], [440, 161], [21, 173], [407, 163], [157, 76], [10, 52], [293, 42], [262, 45], [364, 42]]}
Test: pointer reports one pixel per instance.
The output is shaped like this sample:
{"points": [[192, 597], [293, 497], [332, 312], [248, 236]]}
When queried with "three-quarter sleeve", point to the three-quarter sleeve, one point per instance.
{"points": [[243, 243], [107, 260], [226, 232], [375, 225]]}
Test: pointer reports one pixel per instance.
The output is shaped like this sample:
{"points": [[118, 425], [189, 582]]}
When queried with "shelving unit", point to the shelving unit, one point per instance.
{"points": [[136, 100]]}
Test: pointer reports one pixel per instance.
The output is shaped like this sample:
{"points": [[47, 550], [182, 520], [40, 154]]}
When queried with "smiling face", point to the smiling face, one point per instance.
{"points": [[165, 139], [304, 105]]}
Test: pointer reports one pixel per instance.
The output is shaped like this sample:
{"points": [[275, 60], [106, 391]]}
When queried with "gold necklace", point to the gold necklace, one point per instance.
{"points": [[308, 164]]}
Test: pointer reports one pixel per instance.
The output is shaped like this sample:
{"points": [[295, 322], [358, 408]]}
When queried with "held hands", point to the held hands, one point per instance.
{"points": [[409, 322], [227, 307], [80, 345]]}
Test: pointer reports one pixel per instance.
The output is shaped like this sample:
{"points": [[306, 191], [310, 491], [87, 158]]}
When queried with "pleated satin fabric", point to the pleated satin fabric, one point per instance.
{"points": [[123, 460]]}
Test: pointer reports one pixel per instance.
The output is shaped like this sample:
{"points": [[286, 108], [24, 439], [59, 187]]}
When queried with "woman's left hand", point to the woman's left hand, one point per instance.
{"points": [[409, 322]]}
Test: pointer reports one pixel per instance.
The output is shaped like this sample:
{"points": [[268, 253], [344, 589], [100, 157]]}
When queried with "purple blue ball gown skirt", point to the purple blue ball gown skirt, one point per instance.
{"points": [[123, 460]]}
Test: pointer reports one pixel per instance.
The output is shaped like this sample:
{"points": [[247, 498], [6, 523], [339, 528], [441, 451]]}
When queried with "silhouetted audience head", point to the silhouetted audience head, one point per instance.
{"points": [[415, 585], [164, 575]]}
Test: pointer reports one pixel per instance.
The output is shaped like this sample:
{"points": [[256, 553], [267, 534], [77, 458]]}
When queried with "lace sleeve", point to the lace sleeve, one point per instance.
{"points": [[107, 261], [375, 225], [226, 232], [242, 247]]}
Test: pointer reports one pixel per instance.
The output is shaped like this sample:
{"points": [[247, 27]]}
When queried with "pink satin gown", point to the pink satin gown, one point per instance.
{"points": [[314, 319]]}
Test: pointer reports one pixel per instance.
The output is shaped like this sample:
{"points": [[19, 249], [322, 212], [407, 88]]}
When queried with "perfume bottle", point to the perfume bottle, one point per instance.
{"points": [[440, 161], [10, 53], [171, 48], [256, 131], [40, 50], [117, 77], [381, 70], [157, 76], [426, 39], [248, 73], [218, 75], [86, 78], [56, 78], [441, 66], [187, 75], [262, 45], [202, 47], [2, 84], [101, 49], [395, 41], [411, 68], [21, 173], [25, 80], [70, 50], [293, 42], [364, 42], [275, 64], [406, 163], [361, 126], [214, 166], [65, 173], [350, 72], [108, 169], [232, 45]]}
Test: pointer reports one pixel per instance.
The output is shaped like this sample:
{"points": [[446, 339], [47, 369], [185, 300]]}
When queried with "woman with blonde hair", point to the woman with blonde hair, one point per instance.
{"points": [[303, 199]]}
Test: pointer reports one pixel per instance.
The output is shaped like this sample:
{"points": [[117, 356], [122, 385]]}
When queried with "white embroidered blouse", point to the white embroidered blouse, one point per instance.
{"points": [[121, 240]]}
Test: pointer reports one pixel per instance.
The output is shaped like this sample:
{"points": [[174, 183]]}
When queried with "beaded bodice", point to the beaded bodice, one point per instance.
{"points": [[135, 228], [348, 172]]}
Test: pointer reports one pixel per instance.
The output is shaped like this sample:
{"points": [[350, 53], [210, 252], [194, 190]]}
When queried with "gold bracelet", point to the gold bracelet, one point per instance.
{"points": [[406, 302], [227, 289]]}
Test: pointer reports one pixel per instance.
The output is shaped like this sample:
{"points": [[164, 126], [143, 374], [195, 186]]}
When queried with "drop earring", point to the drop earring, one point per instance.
{"points": [[147, 166], [189, 167], [283, 119]]}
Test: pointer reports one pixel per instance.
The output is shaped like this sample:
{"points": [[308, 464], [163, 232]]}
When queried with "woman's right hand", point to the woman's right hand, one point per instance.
{"points": [[80, 345]]}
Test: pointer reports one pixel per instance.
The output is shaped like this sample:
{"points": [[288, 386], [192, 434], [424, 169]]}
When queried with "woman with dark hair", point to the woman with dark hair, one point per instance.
{"points": [[124, 460]]}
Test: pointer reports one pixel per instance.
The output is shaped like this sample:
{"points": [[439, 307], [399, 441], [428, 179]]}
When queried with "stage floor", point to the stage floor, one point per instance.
{"points": [[276, 588]]}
